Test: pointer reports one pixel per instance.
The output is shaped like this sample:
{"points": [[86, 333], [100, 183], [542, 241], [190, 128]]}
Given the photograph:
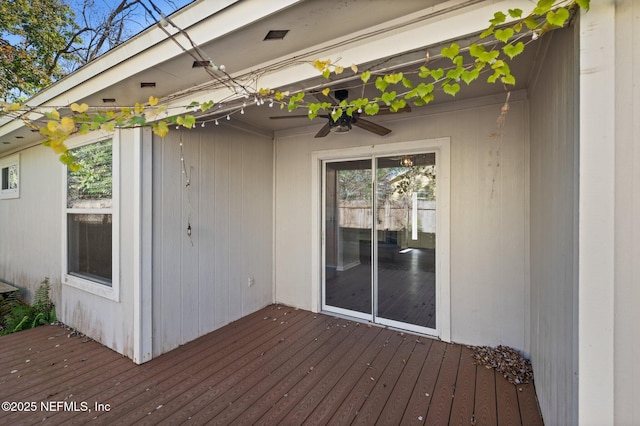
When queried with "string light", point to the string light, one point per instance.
{"points": [[217, 124]]}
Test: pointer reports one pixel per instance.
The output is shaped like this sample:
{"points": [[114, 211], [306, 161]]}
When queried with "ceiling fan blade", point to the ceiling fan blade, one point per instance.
{"points": [[280, 117], [372, 127], [324, 98], [384, 110], [324, 131]]}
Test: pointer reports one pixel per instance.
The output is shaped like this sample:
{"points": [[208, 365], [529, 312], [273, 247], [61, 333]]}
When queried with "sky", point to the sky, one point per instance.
{"points": [[140, 20]]}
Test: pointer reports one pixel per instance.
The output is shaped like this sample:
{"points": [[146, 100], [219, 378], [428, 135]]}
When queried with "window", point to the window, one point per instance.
{"points": [[10, 177], [91, 250]]}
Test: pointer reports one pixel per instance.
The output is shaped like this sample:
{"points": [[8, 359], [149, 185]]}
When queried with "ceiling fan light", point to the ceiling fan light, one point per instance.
{"points": [[341, 128], [406, 161], [341, 125]]}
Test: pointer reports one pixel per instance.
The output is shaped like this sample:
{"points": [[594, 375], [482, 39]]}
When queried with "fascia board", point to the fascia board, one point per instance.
{"points": [[447, 21]]}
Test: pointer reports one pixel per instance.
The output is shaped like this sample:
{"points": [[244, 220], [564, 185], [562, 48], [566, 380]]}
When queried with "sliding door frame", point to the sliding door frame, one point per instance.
{"points": [[439, 146]]}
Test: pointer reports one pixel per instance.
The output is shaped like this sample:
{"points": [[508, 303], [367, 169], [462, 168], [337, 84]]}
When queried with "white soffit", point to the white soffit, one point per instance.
{"points": [[208, 22], [448, 20]]}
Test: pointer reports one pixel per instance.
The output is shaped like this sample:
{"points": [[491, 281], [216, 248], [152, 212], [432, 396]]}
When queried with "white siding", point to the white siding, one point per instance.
{"points": [[489, 217], [554, 229], [627, 208], [198, 288], [30, 225]]}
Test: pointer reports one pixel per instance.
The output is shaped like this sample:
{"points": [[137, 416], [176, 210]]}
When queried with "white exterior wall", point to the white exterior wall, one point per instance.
{"points": [[489, 213], [30, 225], [627, 212], [201, 287], [554, 192]]}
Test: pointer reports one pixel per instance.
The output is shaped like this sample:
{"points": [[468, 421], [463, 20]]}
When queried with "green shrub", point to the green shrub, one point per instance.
{"points": [[17, 315]]}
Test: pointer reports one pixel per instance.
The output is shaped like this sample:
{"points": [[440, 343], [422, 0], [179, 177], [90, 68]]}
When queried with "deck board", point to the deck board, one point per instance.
{"points": [[527, 402], [279, 365], [507, 403], [463, 402], [444, 391], [345, 386], [385, 383], [485, 401], [420, 401], [397, 402]]}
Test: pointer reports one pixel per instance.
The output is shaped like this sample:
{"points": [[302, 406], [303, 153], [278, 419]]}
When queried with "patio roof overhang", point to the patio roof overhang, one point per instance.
{"points": [[232, 34]]}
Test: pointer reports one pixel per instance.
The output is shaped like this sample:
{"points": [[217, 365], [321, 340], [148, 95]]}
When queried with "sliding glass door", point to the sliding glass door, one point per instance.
{"points": [[379, 245]]}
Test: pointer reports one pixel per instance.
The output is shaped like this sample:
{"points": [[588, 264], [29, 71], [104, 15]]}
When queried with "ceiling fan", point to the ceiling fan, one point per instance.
{"points": [[345, 122]]}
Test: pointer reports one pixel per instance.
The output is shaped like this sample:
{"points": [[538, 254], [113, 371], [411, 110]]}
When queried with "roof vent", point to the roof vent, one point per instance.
{"points": [[200, 64], [276, 35], [148, 84], [108, 100]]}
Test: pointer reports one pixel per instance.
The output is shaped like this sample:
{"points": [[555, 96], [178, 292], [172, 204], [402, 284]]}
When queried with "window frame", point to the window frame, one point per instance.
{"points": [[95, 287], [11, 160]]}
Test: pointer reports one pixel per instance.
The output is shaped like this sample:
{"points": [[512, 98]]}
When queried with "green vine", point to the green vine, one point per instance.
{"points": [[499, 43]]}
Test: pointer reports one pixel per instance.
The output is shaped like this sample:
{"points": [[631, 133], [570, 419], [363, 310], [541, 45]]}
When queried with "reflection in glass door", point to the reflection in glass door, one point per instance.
{"points": [[406, 240], [348, 224], [387, 276]]}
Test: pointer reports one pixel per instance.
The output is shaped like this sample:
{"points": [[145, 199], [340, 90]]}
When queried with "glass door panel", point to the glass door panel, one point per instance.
{"points": [[406, 239], [348, 220]]}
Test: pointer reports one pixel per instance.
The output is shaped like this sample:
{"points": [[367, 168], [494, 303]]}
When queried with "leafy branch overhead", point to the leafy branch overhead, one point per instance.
{"points": [[505, 38], [491, 55]]}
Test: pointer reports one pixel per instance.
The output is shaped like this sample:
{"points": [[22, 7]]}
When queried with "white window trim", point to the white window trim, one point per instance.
{"points": [[13, 160], [113, 292]]}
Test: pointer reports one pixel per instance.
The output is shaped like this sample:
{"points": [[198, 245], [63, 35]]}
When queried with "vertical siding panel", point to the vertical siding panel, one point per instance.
{"points": [[222, 226], [157, 244], [190, 246], [267, 223], [207, 233], [514, 193], [172, 291], [237, 228], [627, 207], [489, 199], [553, 193], [251, 210]]}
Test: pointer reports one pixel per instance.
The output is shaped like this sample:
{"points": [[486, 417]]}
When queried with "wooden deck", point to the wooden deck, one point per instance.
{"points": [[279, 366]]}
